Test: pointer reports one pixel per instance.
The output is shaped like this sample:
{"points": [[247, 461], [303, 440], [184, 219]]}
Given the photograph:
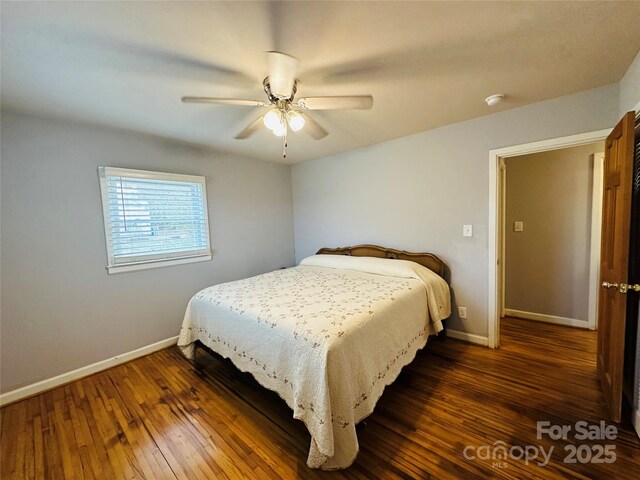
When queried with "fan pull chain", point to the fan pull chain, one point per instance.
{"points": [[284, 146]]}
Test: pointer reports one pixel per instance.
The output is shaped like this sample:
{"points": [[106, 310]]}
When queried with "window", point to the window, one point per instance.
{"points": [[153, 219]]}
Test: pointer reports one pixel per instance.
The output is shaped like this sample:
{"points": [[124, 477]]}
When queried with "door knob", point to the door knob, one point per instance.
{"points": [[624, 288], [609, 285]]}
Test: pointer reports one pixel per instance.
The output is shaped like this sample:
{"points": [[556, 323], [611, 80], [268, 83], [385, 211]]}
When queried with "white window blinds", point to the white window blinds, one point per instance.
{"points": [[153, 218]]}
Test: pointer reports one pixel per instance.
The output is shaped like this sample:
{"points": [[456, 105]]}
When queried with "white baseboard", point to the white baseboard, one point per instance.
{"points": [[541, 317], [48, 384], [468, 337], [636, 421]]}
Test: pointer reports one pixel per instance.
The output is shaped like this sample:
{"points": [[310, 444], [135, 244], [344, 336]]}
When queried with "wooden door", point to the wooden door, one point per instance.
{"points": [[614, 260]]}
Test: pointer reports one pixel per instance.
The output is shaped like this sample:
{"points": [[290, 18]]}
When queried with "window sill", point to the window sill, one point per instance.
{"points": [[133, 267]]}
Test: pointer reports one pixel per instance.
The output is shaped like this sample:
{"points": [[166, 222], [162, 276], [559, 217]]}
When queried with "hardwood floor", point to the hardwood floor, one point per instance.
{"points": [[159, 417]]}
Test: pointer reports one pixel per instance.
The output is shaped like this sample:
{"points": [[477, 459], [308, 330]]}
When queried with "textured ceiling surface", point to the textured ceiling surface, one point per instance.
{"points": [[427, 64]]}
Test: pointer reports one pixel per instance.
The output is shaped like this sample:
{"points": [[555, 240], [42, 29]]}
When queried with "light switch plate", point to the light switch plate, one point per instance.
{"points": [[462, 312], [467, 230], [518, 226]]}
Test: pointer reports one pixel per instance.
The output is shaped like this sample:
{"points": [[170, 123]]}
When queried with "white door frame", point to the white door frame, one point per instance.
{"points": [[596, 229], [496, 183]]}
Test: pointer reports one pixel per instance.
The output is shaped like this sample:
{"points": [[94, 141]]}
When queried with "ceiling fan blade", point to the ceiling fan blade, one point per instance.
{"points": [[251, 129], [359, 102], [313, 128], [283, 69], [224, 101]]}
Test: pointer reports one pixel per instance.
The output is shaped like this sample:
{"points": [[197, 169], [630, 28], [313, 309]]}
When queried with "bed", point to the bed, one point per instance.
{"points": [[327, 335]]}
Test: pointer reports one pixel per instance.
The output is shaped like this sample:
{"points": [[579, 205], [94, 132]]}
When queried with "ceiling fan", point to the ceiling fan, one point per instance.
{"points": [[287, 113]]}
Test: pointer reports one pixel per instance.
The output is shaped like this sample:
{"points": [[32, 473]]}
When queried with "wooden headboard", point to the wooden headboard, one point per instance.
{"points": [[427, 259]]}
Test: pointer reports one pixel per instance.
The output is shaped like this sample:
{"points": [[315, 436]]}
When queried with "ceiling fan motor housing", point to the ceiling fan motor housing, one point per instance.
{"points": [[275, 98]]}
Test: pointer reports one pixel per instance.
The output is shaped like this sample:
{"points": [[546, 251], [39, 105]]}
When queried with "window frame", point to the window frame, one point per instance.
{"points": [[169, 259]]}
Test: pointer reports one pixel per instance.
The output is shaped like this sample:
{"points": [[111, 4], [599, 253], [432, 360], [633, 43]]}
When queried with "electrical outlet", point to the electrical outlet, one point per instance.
{"points": [[467, 230], [462, 312], [518, 226]]}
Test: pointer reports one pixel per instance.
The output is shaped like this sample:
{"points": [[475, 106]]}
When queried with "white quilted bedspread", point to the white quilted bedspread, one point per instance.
{"points": [[327, 336]]}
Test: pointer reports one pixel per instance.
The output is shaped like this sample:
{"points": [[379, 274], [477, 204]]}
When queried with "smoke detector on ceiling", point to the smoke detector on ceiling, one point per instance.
{"points": [[494, 99]]}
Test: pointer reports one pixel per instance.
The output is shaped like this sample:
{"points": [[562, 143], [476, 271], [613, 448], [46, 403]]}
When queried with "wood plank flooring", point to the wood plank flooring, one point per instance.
{"points": [[159, 417]]}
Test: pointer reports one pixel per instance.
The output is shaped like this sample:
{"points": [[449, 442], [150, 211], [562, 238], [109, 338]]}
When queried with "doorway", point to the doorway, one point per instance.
{"points": [[497, 218], [551, 235]]}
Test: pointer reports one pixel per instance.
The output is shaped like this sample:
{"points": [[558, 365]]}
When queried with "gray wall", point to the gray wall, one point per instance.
{"points": [[60, 309], [547, 264], [416, 192], [630, 87]]}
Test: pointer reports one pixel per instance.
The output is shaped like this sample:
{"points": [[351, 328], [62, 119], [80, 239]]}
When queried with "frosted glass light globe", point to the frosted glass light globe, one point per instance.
{"points": [[295, 120], [272, 119], [280, 129]]}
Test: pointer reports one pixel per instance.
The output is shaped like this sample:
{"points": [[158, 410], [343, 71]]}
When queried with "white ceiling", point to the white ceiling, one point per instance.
{"points": [[126, 64]]}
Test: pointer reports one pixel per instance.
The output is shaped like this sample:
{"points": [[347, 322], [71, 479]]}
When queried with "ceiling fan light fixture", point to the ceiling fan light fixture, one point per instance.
{"points": [[295, 120], [272, 119], [285, 115]]}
